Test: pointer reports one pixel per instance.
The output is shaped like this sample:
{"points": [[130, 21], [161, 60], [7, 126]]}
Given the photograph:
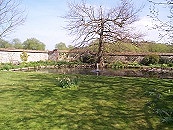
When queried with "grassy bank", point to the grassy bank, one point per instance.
{"points": [[34, 101]]}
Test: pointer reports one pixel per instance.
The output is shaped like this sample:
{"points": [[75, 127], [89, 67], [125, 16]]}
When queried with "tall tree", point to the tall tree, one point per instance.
{"points": [[17, 44], [164, 26], [70, 47], [5, 44], [11, 16], [61, 46], [90, 23], [33, 44]]}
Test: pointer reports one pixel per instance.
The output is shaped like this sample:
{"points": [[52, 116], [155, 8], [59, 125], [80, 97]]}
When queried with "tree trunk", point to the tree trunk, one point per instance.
{"points": [[100, 59]]}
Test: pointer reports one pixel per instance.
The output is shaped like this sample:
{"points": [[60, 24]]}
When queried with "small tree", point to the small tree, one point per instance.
{"points": [[90, 23], [24, 56]]}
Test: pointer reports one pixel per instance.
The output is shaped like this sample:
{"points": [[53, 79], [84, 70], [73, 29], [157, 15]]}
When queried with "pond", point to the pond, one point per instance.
{"points": [[152, 73]]}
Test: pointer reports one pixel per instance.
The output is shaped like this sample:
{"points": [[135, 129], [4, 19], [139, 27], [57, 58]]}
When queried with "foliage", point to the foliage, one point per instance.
{"points": [[133, 64], [67, 82], [16, 43], [88, 58], [150, 59], [70, 47], [33, 44], [121, 47], [165, 60], [168, 62], [59, 64], [4, 44], [6, 66], [158, 104], [138, 47], [121, 65], [24, 56], [117, 65], [154, 47], [61, 46]]}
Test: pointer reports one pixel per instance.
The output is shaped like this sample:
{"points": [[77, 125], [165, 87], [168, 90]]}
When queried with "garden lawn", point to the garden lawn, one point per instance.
{"points": [[34, 101]]}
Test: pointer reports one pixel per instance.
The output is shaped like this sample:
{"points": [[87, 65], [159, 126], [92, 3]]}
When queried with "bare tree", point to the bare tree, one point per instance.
{"points": [[164, 26], [90, 23], [11, 16]]}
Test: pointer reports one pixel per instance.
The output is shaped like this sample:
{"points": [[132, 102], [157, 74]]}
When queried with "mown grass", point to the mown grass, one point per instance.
{"points": [[34, 101]]}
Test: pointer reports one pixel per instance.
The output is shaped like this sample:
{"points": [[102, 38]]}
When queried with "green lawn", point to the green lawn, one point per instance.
{"points": [[34, 101]]}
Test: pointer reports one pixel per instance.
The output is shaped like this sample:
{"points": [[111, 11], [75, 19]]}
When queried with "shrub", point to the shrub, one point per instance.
{"points": [[159, 106], [133, 64], [24, 56], [170, 65], [117, 64], [150, 59], [88, 58], [164, 60], [6, 66]]}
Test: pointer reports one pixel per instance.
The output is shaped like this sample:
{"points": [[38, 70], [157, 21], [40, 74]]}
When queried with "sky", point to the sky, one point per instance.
{"points": [[44, 21]]}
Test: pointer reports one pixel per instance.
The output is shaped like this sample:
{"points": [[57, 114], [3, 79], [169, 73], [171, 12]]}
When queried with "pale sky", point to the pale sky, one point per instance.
{"points": [[45, 24]]}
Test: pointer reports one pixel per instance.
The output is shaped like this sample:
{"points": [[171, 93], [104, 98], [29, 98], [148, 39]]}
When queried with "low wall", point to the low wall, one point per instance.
{"points": [[66, 55], [13, 55], [134, 57]]}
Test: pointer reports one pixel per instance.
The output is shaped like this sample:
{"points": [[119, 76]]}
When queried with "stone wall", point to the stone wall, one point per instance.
{"points": [[59, 55], [13, 55]]}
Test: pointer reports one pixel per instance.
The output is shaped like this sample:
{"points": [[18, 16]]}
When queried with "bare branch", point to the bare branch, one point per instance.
{"points": [[10, 16], [165, 27], [88, 23]]}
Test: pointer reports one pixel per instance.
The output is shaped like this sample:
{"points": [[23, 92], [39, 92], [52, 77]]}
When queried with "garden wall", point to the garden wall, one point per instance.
{"points": [[13, 55], [59, 55]]}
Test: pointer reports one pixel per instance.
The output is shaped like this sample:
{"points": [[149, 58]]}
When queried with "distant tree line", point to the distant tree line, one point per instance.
{"points": [[29, 44], [62, 46], [136, 47]]}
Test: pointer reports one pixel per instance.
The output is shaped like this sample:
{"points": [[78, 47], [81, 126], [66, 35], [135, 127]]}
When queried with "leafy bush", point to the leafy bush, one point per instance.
{"points": [[133, 64], [170, 65], [165, 60], [6, 66], [118, 64], [150, 59], [159, 105], [87, 58]]}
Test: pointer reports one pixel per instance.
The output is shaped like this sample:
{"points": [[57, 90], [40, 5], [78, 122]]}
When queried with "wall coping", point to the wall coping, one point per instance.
{"points": [[118, 53], [21, 50]]}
